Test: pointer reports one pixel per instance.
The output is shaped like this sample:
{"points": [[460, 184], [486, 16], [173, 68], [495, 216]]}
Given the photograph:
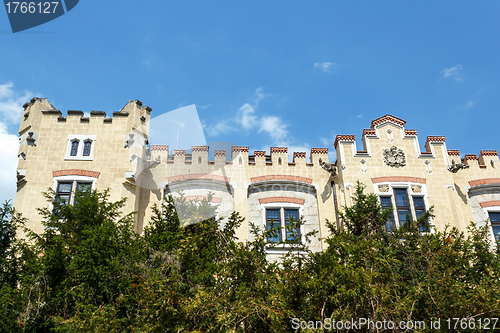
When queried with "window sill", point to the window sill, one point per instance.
{"points": [[78, 158]]}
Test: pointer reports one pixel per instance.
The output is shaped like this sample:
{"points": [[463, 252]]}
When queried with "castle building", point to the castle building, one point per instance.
{"points": [[66, 153]]}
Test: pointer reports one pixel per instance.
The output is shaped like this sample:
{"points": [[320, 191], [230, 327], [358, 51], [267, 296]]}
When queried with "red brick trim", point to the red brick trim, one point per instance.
{"points": [[470, 157], [453, 152], [370, 131], [240, 149], [491, 203], [159, 147], [484, 181], [389, 118], [343, 137], [199, 148], [398, 179], [299, 155], [489, 153], [282, 199], [259, 153], [410, 132], [281, 177], [436, 138], [76, 172], [201, 198], [279, 150], [220, 153], [190, 176], [319, 150], [179, 152]]}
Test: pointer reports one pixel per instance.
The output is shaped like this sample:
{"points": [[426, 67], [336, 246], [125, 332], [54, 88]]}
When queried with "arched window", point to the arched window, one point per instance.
{"points": [[199, 160], [280, 161], [74, 147], [86, 148]]}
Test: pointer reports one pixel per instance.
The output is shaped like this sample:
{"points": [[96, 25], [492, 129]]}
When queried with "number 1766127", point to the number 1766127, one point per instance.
{"points": [[14, 7]]}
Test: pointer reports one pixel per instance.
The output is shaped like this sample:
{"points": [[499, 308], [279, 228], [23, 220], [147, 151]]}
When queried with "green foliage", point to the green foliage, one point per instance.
{"points": [[365, 217], [90, 272]]}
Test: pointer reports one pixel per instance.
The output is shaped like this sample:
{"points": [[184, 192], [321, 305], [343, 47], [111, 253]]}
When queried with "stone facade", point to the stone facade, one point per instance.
{"points": [[113, 153]]}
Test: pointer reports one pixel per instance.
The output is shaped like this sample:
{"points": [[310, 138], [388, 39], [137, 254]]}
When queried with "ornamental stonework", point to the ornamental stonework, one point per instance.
{"points": [[394, 157], [416, 189], [383, 188]]}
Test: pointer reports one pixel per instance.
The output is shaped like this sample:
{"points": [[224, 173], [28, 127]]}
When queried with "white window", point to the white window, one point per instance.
{"points": [[494, 216], [407, 202], [80, 147], [65, 187], [281, 216]]}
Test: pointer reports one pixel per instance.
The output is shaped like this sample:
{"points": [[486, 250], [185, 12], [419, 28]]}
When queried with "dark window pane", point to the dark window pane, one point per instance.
{"points": [[273, 219], [292, 214], [63, 198], [495, 223], [74, 148], [389, 225], [64, 188], [386, 202], [86, 148], [83, 186], [494, 217], [419, 202], [496, 231], [403, 215], [63, 192], [401, 198]]}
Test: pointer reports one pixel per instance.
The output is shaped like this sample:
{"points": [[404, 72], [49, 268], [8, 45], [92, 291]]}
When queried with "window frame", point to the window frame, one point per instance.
{"points": [[82, 142], [74, 180], [411, 195], [487, 211], [282, 206]]}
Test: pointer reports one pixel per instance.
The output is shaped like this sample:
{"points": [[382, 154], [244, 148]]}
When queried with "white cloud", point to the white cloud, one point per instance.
{"points": [[9, 146], [11, 102], [327, 67], [469, 105], [454, 73], [276, 129], [247, 117], [11, 109], [219, 128]]}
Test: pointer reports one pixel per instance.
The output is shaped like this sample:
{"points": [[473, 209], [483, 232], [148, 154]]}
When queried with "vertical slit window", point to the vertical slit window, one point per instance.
{"points": [[402, 205], [292, 216], [418, 203], [387, 204], [74, 148], [495, 223], [86, 148], [273, 219]]}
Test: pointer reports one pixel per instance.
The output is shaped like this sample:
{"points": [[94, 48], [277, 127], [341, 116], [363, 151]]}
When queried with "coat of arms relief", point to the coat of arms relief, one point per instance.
{"points": [[394, 157]]}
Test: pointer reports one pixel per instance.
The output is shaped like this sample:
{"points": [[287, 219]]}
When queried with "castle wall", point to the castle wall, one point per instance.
{"points": [[120, 159]]}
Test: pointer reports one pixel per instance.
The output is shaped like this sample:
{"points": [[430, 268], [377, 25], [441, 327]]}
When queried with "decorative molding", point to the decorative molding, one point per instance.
{"points": [[282, 199], [394, 157], [76, 172], [392, 179], [416, 188], [491, 203], [485, 181], [383, 188], [281, 177]]}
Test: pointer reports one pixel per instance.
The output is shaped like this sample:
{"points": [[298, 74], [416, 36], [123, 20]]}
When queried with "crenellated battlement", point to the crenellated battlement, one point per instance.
{"points": [[200, 155], [37, 107]]}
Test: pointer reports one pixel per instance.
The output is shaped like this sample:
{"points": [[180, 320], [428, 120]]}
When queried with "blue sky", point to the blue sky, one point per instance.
{"points": [[265, 73]]}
